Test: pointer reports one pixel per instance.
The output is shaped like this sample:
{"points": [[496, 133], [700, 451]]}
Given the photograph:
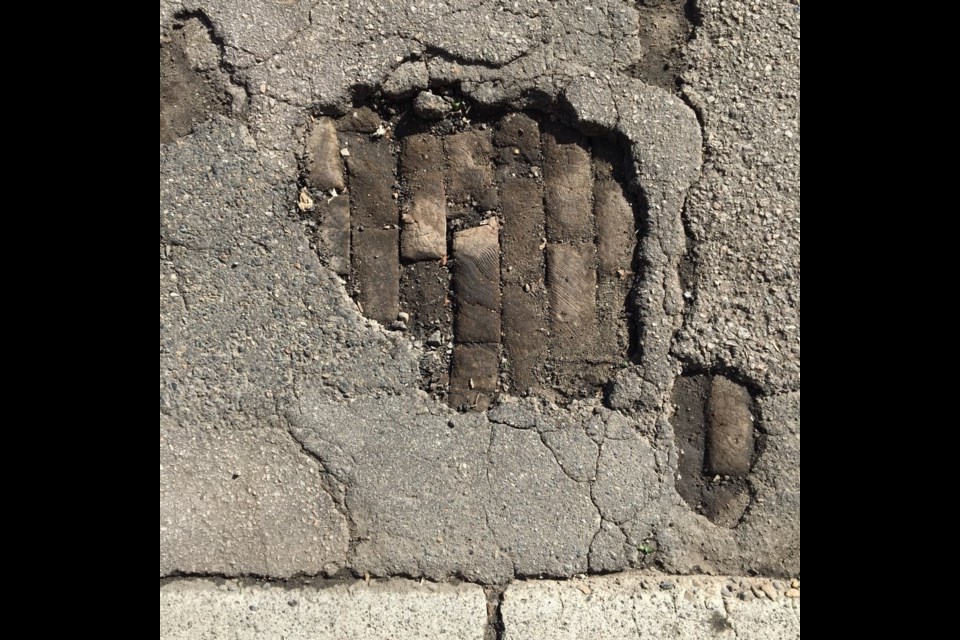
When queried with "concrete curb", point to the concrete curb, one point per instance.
{"points": [[661, 607], [627, 605], [399, 609]]}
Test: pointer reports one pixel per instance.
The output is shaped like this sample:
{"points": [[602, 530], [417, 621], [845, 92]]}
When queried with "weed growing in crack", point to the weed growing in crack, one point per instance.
{"points": [[646, 548]]}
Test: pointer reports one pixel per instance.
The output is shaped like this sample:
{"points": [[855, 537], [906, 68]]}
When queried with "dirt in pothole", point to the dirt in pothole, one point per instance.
{"points": [[192, 87], [717, 444], [505, 242], [665, 27]]}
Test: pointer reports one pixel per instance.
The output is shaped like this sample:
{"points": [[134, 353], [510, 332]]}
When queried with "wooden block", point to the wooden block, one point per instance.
{"points": [[519, 135], [425, 221], [371, 165], [730, 429], [376, 272], [616, 229], [334, 233], [476, 283], [567, 186], [473, 376], [571, 286], [324, 167], [470, 170]]}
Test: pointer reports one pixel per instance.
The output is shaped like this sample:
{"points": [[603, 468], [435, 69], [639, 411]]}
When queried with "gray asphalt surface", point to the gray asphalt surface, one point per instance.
{"points": [[294, 438]]}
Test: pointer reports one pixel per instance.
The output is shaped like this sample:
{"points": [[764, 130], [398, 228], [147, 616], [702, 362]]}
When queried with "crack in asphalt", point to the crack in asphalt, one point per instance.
{"points": [[660, 277]]}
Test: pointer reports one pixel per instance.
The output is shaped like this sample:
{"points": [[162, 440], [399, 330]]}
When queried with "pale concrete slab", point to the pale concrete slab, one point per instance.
{"points": [[396, 609], [650, 606]]}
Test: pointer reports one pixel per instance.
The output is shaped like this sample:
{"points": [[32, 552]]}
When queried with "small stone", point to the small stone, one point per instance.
{"points": [[430, 106], [770, 591], [435, 339], [778, 585], [757, 591], [363, 120], [403, 316], [793, 593], [746, 596], [727, 591], [345, 152], [795, 584], [397, 325], [666, 586], [305, 202]]}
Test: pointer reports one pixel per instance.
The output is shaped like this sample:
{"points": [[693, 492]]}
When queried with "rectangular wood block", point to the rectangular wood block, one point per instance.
{"points": [[609, 159], [613, 336], [616, 229], [473, 375], [567, 184], [371, 166], [421, 152], [521, 201], [425, 294], [522, 274], [519, 135], [425, 219], [523, 339], [470, 169], [571, 287], [729, 429], [476, 283], [324, 167], [376, 272], [334, 233]]}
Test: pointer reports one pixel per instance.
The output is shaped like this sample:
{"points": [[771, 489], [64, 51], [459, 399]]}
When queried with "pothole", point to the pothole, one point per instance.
{"points": [[715, 433], [665, 27], [505, 242], [192, 86]]}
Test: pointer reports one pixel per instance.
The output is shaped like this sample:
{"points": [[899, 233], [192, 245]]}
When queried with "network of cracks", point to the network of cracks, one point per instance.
{"points": [[506, 244]]}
